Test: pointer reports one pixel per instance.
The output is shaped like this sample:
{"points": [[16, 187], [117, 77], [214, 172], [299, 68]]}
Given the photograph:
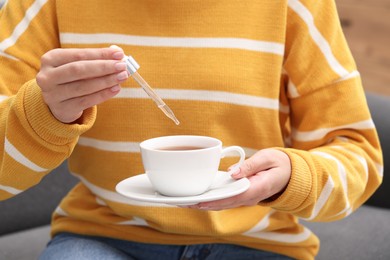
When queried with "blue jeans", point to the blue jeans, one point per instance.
{"points": [[77, 247]]}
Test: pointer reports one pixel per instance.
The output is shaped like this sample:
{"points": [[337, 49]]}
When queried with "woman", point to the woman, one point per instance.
{"points": [[275, 77]]}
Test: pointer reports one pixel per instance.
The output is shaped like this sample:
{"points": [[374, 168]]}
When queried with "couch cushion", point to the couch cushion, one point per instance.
{"points": [[34, 207], [380, 109], [363, 235], [24, 245]]}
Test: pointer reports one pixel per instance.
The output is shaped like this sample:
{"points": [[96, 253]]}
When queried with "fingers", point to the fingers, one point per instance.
{"points": [[70, 110], [85, 69], [269, 173], [262, 187], [59, 57], [257, 191], [70, 86], [260, 161], [72, 80], [86, 87], [83, 88], [61, 66]]}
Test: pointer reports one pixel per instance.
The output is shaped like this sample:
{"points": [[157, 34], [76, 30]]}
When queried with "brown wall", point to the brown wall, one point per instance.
{"points": [[366, 26]]}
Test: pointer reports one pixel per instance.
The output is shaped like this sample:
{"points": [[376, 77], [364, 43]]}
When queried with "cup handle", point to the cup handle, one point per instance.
{"points": [[237, 149]]}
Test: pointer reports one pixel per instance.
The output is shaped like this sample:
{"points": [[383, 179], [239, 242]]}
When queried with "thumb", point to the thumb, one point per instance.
{"points": [[246, 169], [262, 160]]}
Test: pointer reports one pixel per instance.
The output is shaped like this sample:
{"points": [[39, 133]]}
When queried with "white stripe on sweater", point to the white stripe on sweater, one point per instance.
{"points": [[110, 146], [23, 25], [133, 147], [306, 136], [134, 222], [261, 225], [2, 53], [282, 237], [319, 39], [322, 199], [258, 232], [209, 96], [10, 189], [342, 177], [358, 157], [114, 196], [380, 169], [61, 212], [2, 98], [19, 157], [292, 90], [180, 42]]}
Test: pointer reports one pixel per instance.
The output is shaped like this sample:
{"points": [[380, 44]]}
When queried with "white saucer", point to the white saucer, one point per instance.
{"points": [[139, 188]]}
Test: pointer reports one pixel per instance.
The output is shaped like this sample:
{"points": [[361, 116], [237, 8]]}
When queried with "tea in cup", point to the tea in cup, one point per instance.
{"points": [[184, 165]]}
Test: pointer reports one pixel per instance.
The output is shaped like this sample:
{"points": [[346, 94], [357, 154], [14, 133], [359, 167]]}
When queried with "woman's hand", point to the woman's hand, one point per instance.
{"points": [[268, 171], [73, 80]]}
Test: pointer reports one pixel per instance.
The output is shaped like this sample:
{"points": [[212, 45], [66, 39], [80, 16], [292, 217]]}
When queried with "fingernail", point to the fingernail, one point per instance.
{"points": [[235, 171], [115, 88], [120, 66], [118, 55], [122, 76]]}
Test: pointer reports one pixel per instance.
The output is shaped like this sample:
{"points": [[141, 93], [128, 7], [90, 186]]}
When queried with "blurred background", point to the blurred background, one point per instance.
{"points": [[366, 26]]}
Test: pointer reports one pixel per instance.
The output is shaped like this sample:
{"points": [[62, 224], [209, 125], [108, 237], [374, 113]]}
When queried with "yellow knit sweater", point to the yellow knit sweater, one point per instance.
{"points": [[252, 73]]}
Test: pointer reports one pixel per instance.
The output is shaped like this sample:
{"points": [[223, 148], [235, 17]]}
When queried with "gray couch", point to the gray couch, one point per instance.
{"points": [[24, 219]]}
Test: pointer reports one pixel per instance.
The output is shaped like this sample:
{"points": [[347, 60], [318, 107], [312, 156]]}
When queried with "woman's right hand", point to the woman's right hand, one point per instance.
{"points": [[73, 80]]}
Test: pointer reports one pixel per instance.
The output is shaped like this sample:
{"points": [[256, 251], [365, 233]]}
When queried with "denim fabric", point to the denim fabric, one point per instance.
{"points": [[66, 246]]}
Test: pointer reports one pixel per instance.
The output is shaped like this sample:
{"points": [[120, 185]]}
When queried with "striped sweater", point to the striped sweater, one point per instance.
{"points": [[257, 74]]}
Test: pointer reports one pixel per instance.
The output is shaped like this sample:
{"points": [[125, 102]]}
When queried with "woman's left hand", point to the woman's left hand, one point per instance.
{"points": [[268, 171]]}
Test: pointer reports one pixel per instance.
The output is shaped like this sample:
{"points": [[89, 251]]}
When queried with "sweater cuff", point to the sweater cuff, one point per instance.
{"points": [[45, 125], [299, 187]]}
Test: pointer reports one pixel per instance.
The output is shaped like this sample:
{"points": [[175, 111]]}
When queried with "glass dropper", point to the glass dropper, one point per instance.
{"points": [[132, 67]]}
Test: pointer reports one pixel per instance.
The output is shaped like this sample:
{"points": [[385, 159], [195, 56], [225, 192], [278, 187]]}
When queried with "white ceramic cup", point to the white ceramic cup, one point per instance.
{"points": [[184, 165]]}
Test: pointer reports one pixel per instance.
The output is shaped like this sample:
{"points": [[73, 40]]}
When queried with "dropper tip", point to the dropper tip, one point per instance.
{"points": [[174, 119]]}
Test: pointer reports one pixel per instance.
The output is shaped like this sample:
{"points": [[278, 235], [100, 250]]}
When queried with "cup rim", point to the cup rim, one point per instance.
{"points": [[148, 144]]}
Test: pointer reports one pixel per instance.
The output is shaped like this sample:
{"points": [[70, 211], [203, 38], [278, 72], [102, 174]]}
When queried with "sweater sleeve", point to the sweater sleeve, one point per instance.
{"points": [[335, 153], [33, 141]]}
